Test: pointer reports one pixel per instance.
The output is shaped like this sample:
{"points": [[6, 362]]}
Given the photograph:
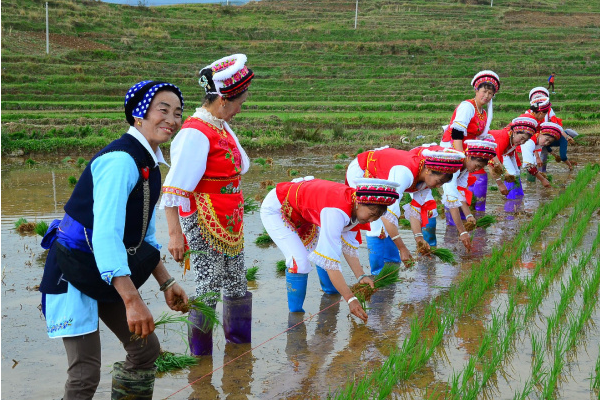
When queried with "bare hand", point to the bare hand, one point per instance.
{"points": [[545, 182], [540, 164], [570, 140], [176, 247], [502, 188], [405, 255], [176, 298], [557, 158], [423, 246], [139, 318], [357, 310], [368, 281], [466, 241]]}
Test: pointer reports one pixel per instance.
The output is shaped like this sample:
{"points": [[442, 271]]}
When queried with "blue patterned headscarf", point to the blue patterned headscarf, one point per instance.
{"points": [[140, 95]]}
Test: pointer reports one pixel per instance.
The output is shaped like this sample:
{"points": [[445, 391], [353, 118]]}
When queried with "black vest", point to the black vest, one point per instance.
{"points": [[80, 205]]}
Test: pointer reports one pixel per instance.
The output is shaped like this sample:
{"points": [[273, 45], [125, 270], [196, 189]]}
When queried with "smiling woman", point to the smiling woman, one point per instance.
{"points": [[104, 249]]}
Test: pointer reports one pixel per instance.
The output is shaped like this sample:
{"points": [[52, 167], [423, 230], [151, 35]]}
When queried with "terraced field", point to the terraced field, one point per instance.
{"points": [[319, 82]]}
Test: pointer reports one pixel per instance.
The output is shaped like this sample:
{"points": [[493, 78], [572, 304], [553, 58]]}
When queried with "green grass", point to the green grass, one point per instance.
{"points": [[251, 273], [281, 267], [318, 81]]}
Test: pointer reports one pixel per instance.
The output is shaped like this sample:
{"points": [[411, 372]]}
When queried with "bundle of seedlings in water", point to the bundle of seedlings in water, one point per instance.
{"points": [[281, 267], [264, 239], [167, 361], [444, 255], [22, 226], [469, 225], [250, 205], [41, 228], [486, 221], [388, 276], [251, 274]]}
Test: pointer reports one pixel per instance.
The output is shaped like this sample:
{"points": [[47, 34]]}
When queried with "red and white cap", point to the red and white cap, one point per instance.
{"points": [[486, 76], [526, 124], [376, 191], [552, 129], [539, 91], [447, 161], [481, 148], [541, 104], [227, 76]]}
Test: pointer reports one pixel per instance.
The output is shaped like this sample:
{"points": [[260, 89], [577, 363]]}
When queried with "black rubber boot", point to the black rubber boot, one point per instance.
{"points": [[137, 384]]}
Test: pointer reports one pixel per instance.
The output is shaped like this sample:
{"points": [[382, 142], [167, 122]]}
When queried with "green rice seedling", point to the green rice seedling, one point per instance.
{"points": [[189, 252], [527, 389], [270, 187], [494, 188], [293, 172], [251, 273], [260, 161], [250, 205], [341, 156], [263, 239], [41, 228], [444, 255], [30, 163], [338, 166], [486, 221], [72, 180], [281, 267], [595, 375], [388, 276], [67, 160], [20, 222], [81, 162], [167, 361]]}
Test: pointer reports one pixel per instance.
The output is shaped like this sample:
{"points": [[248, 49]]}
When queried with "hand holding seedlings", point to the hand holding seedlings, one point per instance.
{"points": [[175, 297]]}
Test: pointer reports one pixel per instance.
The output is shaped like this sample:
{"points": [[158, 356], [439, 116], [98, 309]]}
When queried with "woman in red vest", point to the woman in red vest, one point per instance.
{"points": [[316, 220], [519, 131], [469, 121], [204, 203], [457, 198], [416, 172]]}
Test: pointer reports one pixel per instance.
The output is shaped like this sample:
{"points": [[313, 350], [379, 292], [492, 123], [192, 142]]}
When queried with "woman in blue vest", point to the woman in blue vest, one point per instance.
{"points": [[104, 249]]}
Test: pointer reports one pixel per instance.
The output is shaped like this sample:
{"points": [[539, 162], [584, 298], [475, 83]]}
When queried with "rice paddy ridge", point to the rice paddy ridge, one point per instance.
{"points": [[408, 63], [417, 349], [499, 339]]}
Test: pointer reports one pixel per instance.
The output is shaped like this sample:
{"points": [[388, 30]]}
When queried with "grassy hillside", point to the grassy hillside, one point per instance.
{"points": [[318, 81]]}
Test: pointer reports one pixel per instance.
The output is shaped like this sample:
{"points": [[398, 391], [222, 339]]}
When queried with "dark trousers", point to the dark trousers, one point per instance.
{"points": [[551, 84], [84, 352]]}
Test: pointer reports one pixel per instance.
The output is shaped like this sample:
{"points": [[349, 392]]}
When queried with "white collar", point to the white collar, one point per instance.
{"points": [[156, 156], [206, 116]]}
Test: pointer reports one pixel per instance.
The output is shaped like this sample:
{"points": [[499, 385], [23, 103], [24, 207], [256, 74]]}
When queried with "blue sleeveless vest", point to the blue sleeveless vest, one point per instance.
{"points": [[80, 205]]}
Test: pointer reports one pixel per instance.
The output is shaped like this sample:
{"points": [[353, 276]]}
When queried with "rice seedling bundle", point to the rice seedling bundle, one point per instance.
{"points": [[470, 225], [281, 267], [251, 273], [41, 228], [168, 361], [388, 276], [444, 255], [264, 239], [22, 226], [486, 221]]}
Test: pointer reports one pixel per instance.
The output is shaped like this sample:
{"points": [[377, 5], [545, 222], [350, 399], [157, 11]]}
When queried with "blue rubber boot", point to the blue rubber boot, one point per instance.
{"points": [[326, 284], [376, 248], [296, 290], [515, 189], [429, 232], [390, 252]]}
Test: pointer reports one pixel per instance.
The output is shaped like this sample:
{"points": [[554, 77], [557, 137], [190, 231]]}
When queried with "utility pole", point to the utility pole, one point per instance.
{"points": [[48, 31], [356, 15]]}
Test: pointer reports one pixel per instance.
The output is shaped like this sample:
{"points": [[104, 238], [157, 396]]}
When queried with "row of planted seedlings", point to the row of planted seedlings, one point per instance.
{"points": [[427, 330], [498, 341]]}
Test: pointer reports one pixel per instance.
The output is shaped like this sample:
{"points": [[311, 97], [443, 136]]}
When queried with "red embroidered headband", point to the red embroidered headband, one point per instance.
{"points": [[552, 129], [486, 76], [541, 104], [376, 191], [528, 125], [480, 148], [226, 77], [447, 161]]}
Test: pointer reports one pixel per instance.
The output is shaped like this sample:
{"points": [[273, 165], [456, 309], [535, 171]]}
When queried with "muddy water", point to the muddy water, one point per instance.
{"points": [[309, 361]]}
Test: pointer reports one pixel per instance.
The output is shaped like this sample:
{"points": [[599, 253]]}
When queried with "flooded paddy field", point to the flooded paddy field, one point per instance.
{"points": [[319, 356]]}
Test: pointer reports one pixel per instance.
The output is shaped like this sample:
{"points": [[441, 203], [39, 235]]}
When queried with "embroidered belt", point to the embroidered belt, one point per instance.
{"points": [[220, 185]]}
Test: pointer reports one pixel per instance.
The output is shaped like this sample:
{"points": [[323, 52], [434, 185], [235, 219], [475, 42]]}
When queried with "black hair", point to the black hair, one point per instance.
{"points": [[487, 85], [536, 108], [209, 98], [479, 159]]}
